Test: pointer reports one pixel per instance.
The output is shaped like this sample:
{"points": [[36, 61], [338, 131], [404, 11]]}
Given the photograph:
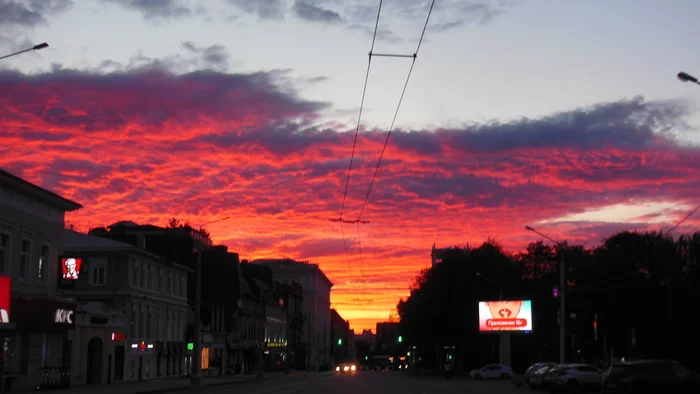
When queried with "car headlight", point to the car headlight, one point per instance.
{"points": [[337, 369], [346, 368], [352, 368]]}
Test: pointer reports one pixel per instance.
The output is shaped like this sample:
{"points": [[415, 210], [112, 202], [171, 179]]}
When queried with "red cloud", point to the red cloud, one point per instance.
{"points": [[149, 145]]}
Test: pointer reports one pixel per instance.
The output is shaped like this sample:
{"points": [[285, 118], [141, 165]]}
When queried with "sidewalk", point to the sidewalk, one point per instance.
{"points": [[167, 385]]}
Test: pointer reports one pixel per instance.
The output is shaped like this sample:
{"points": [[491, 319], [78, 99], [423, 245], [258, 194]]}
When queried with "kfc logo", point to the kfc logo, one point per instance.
{"points": [[5, 291], [70, 268], [63, 316]]}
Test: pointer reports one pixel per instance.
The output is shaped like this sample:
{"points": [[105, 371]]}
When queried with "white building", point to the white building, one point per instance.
{"points": [[132, 312], [37, 338], [316, 305]]}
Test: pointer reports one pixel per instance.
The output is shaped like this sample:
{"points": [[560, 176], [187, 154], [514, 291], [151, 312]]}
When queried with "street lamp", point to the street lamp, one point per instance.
{"points": [[34, 48], [195, 377], [504, 337], [562, 296], [685, 77]]}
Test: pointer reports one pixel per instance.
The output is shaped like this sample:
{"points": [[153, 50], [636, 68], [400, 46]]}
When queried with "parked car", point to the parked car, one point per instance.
{"points": [[654, 376], [536, 380], [536, 367], [573, 377], [492, 371]]}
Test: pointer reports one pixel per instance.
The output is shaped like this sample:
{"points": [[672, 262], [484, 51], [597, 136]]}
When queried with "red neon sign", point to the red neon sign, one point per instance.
{"points": [[5, 291], [118, 336]]}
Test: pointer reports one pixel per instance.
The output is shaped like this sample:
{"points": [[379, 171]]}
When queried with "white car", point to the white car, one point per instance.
{"points": [[492, 371], [573, 377]]}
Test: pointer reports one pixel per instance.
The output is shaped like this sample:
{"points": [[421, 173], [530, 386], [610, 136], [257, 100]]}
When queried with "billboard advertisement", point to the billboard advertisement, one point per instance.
{"points": [[70, 268], [512, 315], [5, 292]]}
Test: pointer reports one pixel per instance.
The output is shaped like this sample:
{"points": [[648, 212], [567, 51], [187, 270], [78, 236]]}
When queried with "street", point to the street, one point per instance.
{"points": [[367, 382]]}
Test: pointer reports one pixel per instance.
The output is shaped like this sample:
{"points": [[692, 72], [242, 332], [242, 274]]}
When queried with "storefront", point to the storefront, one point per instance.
{"points": [[38, 347]]}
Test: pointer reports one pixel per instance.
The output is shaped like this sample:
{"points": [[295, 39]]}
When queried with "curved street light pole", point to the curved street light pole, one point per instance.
{"points": [[685, 77], [34, 48], [562, 296]]}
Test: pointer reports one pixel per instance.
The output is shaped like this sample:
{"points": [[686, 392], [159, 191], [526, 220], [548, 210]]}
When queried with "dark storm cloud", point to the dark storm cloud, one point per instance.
{"points": [[314, 13], [31, 13], [264, 9], [156, 9]]}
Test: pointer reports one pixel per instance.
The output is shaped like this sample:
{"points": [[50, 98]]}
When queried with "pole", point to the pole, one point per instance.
{"points": [[562, 309], [197, 356]]}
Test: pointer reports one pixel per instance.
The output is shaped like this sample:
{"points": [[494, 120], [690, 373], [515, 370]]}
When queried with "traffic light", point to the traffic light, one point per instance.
{"points": [[366, 357], [400, 339], [340, 342], [449, 357]]}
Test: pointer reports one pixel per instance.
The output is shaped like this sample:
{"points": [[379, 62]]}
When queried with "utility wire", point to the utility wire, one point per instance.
{"points": [[362, 269], [359, 116], [396, 113], [683, 220]]}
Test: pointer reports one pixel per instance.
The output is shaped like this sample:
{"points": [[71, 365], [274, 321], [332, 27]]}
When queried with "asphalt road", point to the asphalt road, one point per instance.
{"points": [[368, 383]]}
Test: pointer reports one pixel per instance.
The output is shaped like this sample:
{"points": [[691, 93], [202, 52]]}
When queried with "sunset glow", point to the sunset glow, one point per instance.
{"points": [[149, 145]]}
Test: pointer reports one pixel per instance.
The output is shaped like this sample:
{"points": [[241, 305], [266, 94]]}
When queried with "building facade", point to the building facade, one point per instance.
{"points": [[36, 320], [316, 306], [341, 339], [132, 311]]}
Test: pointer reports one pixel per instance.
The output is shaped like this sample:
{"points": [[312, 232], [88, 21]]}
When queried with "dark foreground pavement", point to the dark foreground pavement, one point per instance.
{"points": [[367, 383]]}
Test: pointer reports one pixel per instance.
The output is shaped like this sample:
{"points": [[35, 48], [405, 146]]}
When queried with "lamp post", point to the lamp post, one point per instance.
{"points": [[503, 337], [562, 296], [685, 77], [34, 48], [196, 376]]}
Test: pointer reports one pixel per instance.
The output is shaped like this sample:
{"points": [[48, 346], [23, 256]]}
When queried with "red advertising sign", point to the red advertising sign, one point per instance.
{"points": [[118, 336], [70, 267], [5, 291]]}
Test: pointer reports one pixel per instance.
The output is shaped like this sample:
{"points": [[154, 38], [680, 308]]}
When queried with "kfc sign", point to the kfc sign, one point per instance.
{"points": [[70, 268], [63, 316], [5, 291]]}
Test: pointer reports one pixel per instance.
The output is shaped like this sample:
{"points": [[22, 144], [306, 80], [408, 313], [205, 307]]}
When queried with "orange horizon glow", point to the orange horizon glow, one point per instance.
{"points": [[148, 145]]}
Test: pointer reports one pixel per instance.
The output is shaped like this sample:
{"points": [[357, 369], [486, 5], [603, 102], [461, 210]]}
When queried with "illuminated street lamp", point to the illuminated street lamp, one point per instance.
{"points": [[34, 48], [685, 77], [562, 295]]}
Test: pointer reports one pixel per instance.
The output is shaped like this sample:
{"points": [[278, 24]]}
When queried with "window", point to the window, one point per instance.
{"points": [[133, 329], [143, 321], [183, 287], [149, 322], [136, 274], [144, 276], [176, 291], [169, 334], [152, 280], [156, 281], [5, 254], [98, 272], [25, 255], [44, 258], [170, 283]]}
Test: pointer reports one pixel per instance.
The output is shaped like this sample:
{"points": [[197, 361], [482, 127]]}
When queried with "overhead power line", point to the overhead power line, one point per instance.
{"points": [[359, 116], [396, 113], [683, 220]]}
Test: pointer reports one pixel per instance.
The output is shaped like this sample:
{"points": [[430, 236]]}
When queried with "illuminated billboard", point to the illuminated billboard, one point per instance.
{"points": [[70, 268], [512, 315], [5, 291]]}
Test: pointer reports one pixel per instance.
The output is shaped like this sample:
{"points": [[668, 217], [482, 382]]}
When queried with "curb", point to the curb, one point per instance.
{"points": [[201, 386]]}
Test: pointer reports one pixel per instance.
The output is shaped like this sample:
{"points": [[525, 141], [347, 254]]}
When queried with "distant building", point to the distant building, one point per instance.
{"points": [[316, 305], [221, 288], [340, 338], [388, 334], [35, 320], [131, 315], [292, 296]]}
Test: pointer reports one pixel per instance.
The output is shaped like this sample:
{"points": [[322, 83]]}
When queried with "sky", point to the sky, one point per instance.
{"points": [[565, 116]]}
